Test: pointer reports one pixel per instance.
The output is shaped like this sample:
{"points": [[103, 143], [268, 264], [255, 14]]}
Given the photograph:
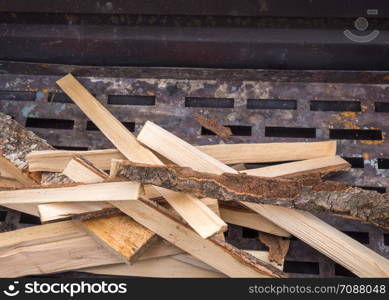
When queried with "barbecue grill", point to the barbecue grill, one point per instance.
{"points": [[268, 71]]}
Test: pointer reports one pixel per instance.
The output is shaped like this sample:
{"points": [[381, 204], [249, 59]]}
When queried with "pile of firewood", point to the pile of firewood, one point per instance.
{"points": [[157, 206]]}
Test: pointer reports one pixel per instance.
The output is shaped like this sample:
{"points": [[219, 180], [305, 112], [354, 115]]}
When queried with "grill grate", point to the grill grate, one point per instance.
{"points": [[257, 111]]}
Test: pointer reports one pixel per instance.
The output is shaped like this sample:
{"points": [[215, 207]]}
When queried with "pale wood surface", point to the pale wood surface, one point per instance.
{"points": [[85, 192], [209, 251], [56, 160], [370, 265], [268, 152], [198, 215], [251, 220], [7, 169], [163, 267], [295, 168]]}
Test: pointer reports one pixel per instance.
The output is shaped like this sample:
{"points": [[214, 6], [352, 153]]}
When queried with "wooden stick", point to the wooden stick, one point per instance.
{"points": [[306, 192], [251, 220], [56, 160], [119, 234], [74, 193], [48, 249], [198, 215], [163, 267], [269, 152], [10, 170], [325, 166], [321, 236], [212, 251]]}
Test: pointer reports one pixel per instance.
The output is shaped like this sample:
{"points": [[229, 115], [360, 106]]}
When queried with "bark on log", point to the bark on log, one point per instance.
{"points": [[306, 192], [16, 142]]}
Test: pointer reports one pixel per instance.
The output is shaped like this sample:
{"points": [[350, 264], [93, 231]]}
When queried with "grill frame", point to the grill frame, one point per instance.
{"points": [[171, 86]]}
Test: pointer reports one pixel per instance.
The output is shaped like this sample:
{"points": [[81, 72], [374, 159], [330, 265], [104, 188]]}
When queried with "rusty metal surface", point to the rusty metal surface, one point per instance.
{"points": [[165, 103]]}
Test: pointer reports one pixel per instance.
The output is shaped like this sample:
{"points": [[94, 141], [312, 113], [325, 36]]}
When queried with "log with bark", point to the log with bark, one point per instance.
{"points": [[306, 192]]}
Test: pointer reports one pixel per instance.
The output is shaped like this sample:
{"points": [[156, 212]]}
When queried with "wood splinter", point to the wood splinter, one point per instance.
{"points": [[306, 192], [214, 125]]}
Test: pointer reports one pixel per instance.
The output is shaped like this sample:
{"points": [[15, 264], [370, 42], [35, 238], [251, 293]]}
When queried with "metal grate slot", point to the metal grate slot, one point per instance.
{"points": [[248, 233], [59, 98], [362, 237], [90, 126], [355, 134], [291, 132], [131, 100], [29, 219], [71, 148], [301, 267], [335, 105], [49, 123], [355, 162], [379, 189], [3, 215], [383, 163], [209, 102], [271, 104], [386, 239], [236, 130], [341, 271], [17, 96], [381, 107]]}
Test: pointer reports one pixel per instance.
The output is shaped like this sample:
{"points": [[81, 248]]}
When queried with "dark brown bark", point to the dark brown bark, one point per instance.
{"points": [[306, 192], [278, 246], [214, 125]]}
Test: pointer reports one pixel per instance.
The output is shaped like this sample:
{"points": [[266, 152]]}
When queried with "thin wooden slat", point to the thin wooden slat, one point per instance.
{"points": [[319, 235], [251, 220], [324, 164], [212, 251], [269, 152], [198, 215], [106, 191]]}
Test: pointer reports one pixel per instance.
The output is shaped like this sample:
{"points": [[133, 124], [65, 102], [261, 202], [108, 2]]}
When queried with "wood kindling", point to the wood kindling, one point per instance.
{"points": [[305, 226], [196, 213]]}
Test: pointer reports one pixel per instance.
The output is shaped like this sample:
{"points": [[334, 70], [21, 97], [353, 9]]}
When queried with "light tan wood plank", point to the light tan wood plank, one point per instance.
{"points": [[251, 220], [86, 192], [164, 267], [198, 215], [269, 152], [7, 169], [56, 160], [370, 263], [298, 167], [212, 251]]}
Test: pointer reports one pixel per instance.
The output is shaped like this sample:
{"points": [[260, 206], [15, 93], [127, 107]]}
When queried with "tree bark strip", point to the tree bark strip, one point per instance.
{"points": [[306, 192]]}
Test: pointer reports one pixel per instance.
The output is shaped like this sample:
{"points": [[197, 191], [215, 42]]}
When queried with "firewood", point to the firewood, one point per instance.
{"points": [[278, 247], [214, 125], [198, 215], [306, 192], [344, 250]]}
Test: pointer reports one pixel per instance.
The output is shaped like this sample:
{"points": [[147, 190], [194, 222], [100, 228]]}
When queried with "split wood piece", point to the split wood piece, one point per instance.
{"points": [[341, 248], [269, 152], [9, 170], [212, 251], [56, 160], [306, 192], [321, 236], [84, 210], [161, 267], [325, 166], [278, 247], [249, 219], [160, 248], [198, 215], [106, 191], [119, 234], [214, 125], [50, 248]]}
